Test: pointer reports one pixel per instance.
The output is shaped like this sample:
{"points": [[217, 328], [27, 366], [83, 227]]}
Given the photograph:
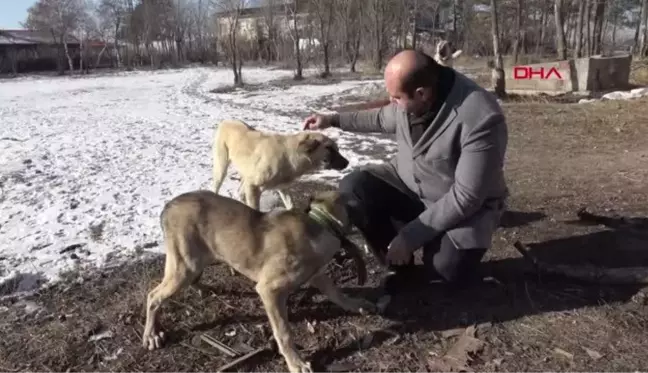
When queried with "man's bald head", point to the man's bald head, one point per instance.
{"points": [[413, 69]]}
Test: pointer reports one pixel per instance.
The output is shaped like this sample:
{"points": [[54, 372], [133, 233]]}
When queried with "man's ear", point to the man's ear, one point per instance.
{"points": [[309, 144]]}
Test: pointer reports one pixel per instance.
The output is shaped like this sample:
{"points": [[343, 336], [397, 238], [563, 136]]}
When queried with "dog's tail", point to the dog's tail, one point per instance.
{"points": [[220, 159]]}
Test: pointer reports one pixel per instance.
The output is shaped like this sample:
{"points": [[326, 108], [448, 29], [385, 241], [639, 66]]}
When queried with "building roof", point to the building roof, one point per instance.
{"points": [[30, 37]]}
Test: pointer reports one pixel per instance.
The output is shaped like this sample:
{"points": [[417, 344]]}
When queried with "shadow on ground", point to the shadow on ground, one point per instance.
{"points": [[512, 219], [516, 293]]}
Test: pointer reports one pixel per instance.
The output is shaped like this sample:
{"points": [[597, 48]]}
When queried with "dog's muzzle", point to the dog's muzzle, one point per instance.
{"points": [[337, 161]]}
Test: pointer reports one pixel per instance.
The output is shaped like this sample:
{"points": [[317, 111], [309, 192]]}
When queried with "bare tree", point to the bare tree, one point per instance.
{"points": [[599, 15], [415, 18], [349, 12], [179, 23], [644, 20], [200, 13], [636, 48], [87, 27], [59, 17], [231, 13], [578, 49], [112, 15], [519, 31], [543, 21], [498, 81], [269, 17], [588, 27], [292, 15], [378, 22], [560, 29], [324, 15]]}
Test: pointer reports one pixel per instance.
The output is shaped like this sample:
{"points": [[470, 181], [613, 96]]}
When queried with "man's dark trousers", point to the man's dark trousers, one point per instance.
{"points": [[374, 206]]}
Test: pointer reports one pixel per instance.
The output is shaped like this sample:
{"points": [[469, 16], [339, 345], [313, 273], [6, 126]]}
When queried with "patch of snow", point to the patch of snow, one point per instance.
{"points": [[87, 163], [620, 95]]}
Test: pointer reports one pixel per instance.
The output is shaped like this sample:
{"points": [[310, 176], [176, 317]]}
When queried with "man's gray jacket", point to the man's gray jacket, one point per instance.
{"points": [[455, 169]]}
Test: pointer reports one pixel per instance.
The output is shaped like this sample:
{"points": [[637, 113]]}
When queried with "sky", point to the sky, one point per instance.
{"points": [[12, 12]]}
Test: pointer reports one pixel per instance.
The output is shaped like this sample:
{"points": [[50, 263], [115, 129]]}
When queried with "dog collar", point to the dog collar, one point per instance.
{"points": [[327, 220]]}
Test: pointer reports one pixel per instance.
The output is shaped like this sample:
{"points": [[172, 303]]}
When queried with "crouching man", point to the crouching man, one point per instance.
{"points": [[444, 191]]}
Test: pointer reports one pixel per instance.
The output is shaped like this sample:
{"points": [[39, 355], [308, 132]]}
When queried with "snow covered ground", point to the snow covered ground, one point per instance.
{"points": [[86, 163]]}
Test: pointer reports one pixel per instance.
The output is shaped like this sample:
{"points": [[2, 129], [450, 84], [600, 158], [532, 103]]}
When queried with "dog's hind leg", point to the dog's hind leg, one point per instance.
{"points": [[335, 295], [220, 161], [177, 275], [202, 289], [285, 198], [274, 295]]}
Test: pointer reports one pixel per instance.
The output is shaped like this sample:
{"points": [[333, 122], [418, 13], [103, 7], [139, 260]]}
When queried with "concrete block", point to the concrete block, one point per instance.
{"points": [[595, 73]]}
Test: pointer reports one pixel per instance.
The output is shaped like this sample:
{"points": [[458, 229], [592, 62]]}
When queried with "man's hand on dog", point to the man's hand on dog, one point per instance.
{"points": [[316, 122], [399, 252]]}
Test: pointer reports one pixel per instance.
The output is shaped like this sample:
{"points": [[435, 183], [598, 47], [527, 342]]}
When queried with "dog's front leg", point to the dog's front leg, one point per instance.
{"points": [[252, 195], [328, 288], [274, 301]]}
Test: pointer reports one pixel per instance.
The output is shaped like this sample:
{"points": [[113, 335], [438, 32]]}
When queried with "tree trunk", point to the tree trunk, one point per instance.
{"points": [[100, 54], [518, 32], [569, 25], [414, 34], [588, 21], [598, 26], [498, 82], [614, 30], [644, 42], [541, 37], [327, 68], [560, 30], [377, 11], [578, 49], [356, 54], [637, 47], [117, 54], [67, 53], [81, 55], [299, 75]]}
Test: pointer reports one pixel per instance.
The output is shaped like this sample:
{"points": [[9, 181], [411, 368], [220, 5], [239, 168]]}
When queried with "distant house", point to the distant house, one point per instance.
{"points": [[30, 50], [252, 18]]}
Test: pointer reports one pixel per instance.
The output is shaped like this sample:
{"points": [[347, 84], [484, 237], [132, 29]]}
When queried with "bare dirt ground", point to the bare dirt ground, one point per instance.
{"points": [[561, 157]]}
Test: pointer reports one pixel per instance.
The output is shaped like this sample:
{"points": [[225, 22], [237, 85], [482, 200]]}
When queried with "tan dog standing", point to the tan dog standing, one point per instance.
{"points": [[279, 251], [269, 160]]}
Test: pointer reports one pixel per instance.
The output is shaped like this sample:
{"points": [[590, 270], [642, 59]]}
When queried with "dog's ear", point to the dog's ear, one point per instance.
{"points": [[309, 144]]}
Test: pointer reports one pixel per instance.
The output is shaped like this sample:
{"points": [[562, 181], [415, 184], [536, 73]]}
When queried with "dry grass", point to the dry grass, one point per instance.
{"points": [[561, 157]]}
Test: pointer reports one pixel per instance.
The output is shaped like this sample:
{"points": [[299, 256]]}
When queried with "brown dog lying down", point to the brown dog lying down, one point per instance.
{"points": [[279, 250]]}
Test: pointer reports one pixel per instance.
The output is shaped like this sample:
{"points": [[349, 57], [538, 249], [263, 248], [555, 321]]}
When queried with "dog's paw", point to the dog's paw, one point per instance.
{"points": [[300, 367], [305, 367], [153, 340]]}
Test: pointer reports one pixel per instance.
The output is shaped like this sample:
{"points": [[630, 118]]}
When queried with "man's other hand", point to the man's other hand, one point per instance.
{"points": [[399, 252]]}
